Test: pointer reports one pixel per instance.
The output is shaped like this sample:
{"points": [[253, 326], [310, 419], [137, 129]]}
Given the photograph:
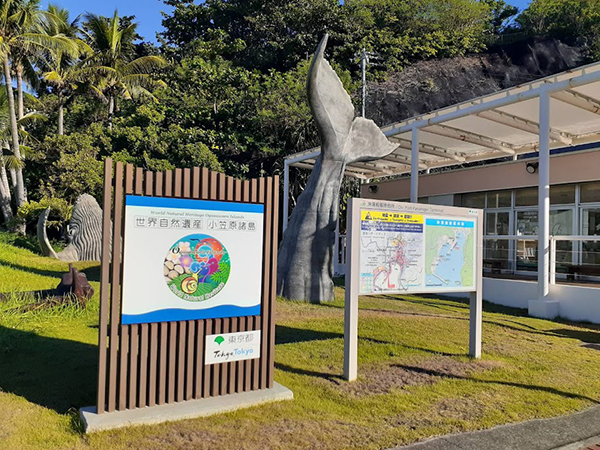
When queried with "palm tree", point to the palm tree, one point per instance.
{"points": [[62, 72], [20, 34], [122, 76], [9, 161]]}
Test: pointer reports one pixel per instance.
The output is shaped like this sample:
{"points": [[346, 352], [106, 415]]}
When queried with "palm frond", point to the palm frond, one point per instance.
{"points": [[143, 65]]}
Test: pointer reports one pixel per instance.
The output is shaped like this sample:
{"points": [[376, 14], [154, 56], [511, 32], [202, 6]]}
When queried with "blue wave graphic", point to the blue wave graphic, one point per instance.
{"points": [[175, 314]]}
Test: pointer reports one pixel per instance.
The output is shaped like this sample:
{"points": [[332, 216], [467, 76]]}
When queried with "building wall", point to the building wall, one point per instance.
{"points": [[564, 168], [577, 303]]}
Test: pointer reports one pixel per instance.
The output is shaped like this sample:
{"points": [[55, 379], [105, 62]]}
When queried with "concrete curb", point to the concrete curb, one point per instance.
{"points": [[571, 432], [190, 409]]}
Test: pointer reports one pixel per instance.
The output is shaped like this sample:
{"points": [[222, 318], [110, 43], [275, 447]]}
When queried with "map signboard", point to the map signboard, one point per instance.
{"points": [[411, 248], [408, 252], [188, 259]]}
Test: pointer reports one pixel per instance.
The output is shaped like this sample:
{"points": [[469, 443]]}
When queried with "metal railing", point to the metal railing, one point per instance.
{"points": [[580, 267], [517, 255]]}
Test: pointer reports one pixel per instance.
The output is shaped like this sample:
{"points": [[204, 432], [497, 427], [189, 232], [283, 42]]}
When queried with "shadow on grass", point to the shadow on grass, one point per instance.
{"points": [[550, 390], [311, 373], [55, 373], [92, 273], [288, 335]]}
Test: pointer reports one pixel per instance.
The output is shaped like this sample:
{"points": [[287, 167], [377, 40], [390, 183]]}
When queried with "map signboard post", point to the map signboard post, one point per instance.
{"points": [[409, 248]]}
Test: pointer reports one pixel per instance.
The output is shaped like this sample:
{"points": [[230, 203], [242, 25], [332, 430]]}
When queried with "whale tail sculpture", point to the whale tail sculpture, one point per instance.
{"points": [[305, 262], [85, 232]]}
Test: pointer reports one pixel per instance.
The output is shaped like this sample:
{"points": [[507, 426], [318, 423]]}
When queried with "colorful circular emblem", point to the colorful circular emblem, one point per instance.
{"points": [[197, 267]]}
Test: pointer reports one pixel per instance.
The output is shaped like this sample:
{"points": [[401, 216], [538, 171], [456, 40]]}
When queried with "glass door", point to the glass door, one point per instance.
{"points": [[590, 226], [561, 224], [526, 248]]}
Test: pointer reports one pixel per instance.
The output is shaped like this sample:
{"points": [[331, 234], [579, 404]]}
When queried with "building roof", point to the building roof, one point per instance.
{"points": [[496, 125]]}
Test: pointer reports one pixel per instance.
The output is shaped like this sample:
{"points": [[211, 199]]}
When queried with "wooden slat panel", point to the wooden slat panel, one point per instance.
{"points": [[162, 328], [104, 288], [145, 329], [225, 322], [248, 320], [191, 324], [214, 390], [206, 178], [264, 188], [240, 322], [124, 329], [181, 326], [208, 329], [273, 293], [254, 376], [115, 287], [199, 374], [134, 344], [172, 332], [163, 363], [197, 360], [228, 323]]}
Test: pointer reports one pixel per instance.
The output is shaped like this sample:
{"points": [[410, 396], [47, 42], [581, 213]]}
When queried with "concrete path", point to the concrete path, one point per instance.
{"points": [[572, 432]]}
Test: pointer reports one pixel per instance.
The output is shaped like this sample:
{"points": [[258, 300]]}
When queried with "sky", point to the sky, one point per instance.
{"points": [[147, 12]]}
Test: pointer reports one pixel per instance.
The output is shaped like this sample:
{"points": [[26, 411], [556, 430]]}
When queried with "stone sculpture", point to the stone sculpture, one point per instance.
{"points": [[84, 235], [305, 262]]}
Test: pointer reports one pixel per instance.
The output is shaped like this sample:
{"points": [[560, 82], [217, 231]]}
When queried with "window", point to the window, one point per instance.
{"points": [[563, 194], [590, 192], [499, 199], [527, 222], [474, 200], [497, 223], [526, 197]]}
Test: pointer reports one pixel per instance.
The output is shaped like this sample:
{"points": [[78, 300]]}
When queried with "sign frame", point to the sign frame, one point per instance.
{"points": [[353, 235]]}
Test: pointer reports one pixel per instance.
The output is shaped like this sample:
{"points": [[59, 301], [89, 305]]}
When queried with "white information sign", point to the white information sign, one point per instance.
{"points": [[187, 259], [400, 248], [228, 347]]}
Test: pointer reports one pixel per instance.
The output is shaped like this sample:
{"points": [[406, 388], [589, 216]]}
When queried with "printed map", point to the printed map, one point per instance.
{"points": [[391, 251], [405, 252], [449, 253]]}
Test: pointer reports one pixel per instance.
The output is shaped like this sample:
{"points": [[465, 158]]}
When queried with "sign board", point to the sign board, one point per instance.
{"points": [[406, 252], [229, 347], [187, 259], [410, 248]]}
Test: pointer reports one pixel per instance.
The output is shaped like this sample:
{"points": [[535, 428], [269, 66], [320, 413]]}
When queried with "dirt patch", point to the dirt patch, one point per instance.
{"points": [[283, 433], [450, 410], [384, 379]]}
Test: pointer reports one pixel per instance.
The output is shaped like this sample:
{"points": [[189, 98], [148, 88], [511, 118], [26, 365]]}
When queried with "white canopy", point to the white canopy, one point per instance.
{"points": [[501, 124]]}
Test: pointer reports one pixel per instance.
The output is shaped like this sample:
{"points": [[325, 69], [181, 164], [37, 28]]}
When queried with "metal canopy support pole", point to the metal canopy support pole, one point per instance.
{"points": [[476, 300], [336, 248], [414, 166], [351, 302], [286, 193], [544, 198]]}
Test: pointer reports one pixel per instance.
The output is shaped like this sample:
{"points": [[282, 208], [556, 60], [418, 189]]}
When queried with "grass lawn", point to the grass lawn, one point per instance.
{"points": [[414, 378]]}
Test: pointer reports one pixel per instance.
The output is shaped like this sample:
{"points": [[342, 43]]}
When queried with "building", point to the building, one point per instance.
{"points": [[529, 156]]}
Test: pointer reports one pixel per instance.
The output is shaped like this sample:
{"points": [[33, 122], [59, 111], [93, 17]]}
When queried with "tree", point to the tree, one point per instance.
{"points": [[120, 75], [62, 71], [570, 19], [19, 34], [7, 160]]}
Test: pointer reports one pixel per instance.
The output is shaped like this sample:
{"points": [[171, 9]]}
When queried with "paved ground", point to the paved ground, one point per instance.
{"points": [[573, 432]]}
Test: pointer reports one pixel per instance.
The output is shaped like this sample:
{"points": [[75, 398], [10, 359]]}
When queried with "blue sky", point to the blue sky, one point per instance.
{"points": [[147, 12]]}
